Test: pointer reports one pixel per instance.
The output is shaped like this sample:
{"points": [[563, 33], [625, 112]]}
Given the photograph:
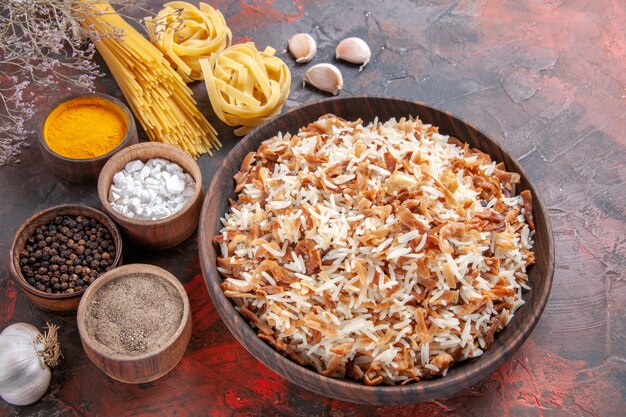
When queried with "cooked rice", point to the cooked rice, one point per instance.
{"points": [[382, 253]]}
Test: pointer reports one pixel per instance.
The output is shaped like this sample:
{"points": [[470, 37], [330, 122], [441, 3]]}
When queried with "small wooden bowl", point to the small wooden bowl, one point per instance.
{"points": [[84, 170], [154, 234], [459, 376], [148, 366], [57, 302]]}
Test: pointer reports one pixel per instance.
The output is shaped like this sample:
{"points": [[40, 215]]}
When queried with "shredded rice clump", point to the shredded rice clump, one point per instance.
{"points": [[382, 253]]}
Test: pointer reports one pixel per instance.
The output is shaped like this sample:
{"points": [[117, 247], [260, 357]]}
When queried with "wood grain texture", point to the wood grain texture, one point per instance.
{"points": [[83, 170], [154, 234], [151, 365], [59, 303], [460, 376]]}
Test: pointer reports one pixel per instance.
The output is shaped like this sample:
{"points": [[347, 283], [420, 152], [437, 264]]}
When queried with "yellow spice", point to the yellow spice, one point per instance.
{"points": [[85, 128]]}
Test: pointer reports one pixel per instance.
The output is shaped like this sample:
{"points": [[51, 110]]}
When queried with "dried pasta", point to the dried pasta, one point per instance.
{"points": [[246, 87], [186, 34], [157, 95]]}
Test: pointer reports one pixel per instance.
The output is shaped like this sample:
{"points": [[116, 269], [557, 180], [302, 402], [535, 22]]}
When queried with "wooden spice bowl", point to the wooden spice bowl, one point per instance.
{"points": [[148, 366], [57, 302], [459, 376], [154, 234], [84, 170]]}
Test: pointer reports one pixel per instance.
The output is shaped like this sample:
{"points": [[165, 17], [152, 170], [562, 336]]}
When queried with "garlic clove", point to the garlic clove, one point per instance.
{"points": [[325, 77], [303, 47], [354, 50]]}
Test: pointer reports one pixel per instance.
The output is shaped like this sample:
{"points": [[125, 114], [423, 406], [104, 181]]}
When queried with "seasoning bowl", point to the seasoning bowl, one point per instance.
{"points": [[66, 302], [461, 375], [147, 365], [84, 170], [162, 233]]}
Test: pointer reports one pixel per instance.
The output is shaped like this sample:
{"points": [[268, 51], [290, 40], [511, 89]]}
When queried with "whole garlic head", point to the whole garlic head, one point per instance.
{"points": [[26, 356], [325, 77], [303, 47], [354, 50]]}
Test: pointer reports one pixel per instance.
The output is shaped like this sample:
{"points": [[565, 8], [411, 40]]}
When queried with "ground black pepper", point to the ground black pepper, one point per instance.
{"points": [[55, 259], [134, 314]]}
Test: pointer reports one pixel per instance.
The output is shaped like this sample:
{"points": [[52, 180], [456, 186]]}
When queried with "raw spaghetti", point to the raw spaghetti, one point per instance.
{"points": [[157, 95]]}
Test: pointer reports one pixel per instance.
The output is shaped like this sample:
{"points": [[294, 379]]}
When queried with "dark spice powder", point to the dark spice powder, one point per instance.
{"points": [[134, 314]]}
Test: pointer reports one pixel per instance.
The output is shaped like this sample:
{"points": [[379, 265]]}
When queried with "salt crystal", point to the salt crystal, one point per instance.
{"points": [[174, 185], [137, 190], [145, 171], [188, 192], [119, 178], [133, 166], [173, 168]]}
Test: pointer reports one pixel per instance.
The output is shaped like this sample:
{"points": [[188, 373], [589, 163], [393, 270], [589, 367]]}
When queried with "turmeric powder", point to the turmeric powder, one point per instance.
{"points": [[85, 127]]}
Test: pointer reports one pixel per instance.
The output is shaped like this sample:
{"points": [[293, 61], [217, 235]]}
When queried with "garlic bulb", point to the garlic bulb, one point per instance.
{"points": [[325, 77], [354, 50], [26, 356], [303, 47]]}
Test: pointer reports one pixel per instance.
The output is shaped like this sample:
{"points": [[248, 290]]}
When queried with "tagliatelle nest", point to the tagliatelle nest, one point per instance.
{"points": [[246, 87], [186, 33], [383, 253]]}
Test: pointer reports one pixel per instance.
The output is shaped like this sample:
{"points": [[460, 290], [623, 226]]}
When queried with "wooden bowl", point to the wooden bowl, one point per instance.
{"points": [[461, 375], [57, 302], [148, 366], [154, 234], [84, 170]]}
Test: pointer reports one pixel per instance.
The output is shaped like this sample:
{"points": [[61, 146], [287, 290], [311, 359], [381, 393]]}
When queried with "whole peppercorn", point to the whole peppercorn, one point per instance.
{"points": [[67, 254]]}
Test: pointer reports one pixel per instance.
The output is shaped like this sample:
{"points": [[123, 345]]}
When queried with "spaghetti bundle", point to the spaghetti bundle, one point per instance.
{"points": [[246, 87], [186, 34], [157, 95]]}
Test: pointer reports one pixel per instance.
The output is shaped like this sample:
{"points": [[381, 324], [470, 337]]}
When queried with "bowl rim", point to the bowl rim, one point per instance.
{"points": [[424, 389], [131, 129], [196, 174], [119, 273], [16, 270]]}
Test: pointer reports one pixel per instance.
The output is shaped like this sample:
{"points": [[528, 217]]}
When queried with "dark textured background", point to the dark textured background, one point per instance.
{"points": [[546, 79]]}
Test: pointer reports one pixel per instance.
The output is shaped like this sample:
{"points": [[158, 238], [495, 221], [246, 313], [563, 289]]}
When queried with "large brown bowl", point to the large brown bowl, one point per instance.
{"points": [[459, 376], [59, 303]]}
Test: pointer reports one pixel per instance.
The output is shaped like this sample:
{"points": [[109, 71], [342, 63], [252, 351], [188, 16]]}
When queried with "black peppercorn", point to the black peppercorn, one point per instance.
{"points": [[67, 254]]}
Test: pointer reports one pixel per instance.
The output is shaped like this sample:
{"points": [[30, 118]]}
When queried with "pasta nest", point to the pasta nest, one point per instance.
{"points": [[186, 34], [246, 87]]}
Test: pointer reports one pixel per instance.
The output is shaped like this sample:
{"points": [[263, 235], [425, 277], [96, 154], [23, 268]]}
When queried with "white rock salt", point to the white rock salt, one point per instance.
{"points": [[150, 191], [133, 166]]}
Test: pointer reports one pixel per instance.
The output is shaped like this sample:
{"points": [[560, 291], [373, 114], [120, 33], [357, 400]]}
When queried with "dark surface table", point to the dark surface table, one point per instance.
{"points": [[546, 79]]}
